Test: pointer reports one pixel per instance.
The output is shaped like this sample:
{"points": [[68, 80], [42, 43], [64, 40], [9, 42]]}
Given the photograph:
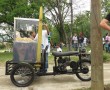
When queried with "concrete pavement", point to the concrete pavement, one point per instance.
{"points": [[60, 82]]}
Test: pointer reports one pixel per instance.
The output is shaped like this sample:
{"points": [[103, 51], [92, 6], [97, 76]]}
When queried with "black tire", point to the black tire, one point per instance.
{"points": [[84, 70], [22, 75]]}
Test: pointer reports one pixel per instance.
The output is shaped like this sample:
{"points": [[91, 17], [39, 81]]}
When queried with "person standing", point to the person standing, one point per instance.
{"points": [[85, 42], [49, 42], [108, 42], [103, 41], [80, 40], [45, 33], [75, 42]]}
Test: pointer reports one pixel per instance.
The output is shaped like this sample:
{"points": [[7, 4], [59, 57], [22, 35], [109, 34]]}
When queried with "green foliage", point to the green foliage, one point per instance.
{"points": [[82, 24], [30, 9], [105, 10], [105, 6], [2, 46], [67, 30], [18, 8], [58, 9], [6, 56], [55, 36], [106, 57]]}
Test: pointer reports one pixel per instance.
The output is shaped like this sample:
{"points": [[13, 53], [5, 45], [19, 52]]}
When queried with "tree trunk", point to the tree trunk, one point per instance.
{"points": [[70, 37], [61, 23], [97, 82]]}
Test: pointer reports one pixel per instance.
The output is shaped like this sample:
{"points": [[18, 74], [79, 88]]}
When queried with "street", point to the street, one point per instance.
{"points": [[59, 82]]}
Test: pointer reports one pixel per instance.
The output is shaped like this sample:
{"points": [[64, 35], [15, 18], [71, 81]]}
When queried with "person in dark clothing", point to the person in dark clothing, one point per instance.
{"points": [[80, 40]]}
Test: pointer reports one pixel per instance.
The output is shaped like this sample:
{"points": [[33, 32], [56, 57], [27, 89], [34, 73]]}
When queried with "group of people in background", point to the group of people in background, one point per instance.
{"points": [[79, 41]]}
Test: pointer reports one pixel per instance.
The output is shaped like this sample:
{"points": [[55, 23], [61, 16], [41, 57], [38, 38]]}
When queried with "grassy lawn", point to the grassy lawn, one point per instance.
{"points": [[106, 57], [5, 56]]}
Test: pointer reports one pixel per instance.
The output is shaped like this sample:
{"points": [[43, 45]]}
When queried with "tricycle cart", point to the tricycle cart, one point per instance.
{"points": [[22, 73], [25, 66]]}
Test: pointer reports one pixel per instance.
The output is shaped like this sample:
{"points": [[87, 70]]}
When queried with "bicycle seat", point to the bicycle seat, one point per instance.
{"points": [[69, 53]]}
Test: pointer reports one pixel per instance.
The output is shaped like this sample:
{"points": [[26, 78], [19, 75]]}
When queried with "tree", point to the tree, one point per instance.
{"points": [[97, 82], [17, 8], [105, 6], [6, 34], [58, 9], [82, 23]]}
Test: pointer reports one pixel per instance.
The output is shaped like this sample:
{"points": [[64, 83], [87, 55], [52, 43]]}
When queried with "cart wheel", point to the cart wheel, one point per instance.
{"points": [[22, 75], [84, 72]]}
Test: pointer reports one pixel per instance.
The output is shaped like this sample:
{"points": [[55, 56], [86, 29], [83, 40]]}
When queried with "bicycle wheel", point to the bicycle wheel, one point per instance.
{"points": [[22, 75], [84, 70]]}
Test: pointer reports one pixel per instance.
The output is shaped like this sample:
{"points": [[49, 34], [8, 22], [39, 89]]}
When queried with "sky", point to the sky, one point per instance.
{"points": [[81, 5]]}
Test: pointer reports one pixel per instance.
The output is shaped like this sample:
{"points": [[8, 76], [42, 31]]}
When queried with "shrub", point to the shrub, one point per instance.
{"points": [[106, 57], [2, 46]]}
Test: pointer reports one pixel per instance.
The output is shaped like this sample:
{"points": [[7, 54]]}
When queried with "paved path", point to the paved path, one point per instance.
{"points": [[61, 82]]}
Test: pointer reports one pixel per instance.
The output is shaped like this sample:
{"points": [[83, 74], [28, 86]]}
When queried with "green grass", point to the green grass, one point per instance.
{"points": [[5, 56], [106, 57]]}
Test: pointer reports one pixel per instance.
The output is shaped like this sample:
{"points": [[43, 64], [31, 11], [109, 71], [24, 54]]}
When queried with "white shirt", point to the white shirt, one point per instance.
{"points": [[18, 34], [59, 49], [85, 40], [44, 39], [75, 39], [103, 40]]}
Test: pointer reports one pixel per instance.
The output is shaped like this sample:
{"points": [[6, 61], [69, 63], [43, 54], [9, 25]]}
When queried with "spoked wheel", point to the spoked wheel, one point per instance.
{"points": [[22, 75], [84, 72]]}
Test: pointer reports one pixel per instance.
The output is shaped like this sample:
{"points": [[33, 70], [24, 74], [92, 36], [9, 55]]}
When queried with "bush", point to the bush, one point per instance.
{"points": [[2, 46], [106, 57], [55, 36]]}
